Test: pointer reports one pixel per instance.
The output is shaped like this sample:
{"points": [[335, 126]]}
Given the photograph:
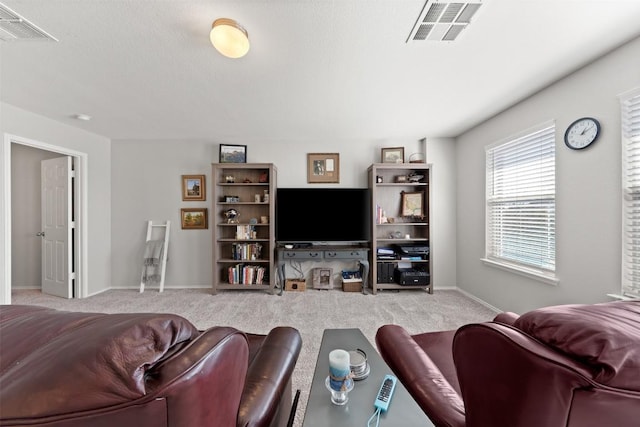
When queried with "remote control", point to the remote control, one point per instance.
{"points": [[386, 391]]}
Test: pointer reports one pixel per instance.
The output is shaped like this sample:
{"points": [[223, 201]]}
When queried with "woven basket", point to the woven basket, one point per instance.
{"points": [[355, 286]]}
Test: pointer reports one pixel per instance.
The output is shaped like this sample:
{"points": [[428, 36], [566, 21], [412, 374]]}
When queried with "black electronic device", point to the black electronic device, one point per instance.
{"points": [[319, 215], [413, 249], [411, 277], [385, 272]]}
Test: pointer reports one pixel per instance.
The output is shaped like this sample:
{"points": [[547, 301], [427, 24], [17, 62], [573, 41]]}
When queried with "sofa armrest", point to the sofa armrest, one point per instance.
{"points": [[507, 317], [202, 381], [269, 377], [420, 376], [509, 379]]}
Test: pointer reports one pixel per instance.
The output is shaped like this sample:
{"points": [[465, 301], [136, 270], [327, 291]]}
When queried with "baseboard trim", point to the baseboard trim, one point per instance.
{"points": [[478, 300]]}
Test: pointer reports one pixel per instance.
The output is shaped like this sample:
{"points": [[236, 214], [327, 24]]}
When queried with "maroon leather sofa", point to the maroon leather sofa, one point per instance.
{"points": [[68, 369], [568, 365]]}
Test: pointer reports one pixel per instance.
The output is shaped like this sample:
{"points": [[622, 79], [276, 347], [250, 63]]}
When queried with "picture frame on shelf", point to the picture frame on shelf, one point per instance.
{"points": [[194, 188], [392, 155], [232, 153], [323, 168], [194, 218], [412, 204]]}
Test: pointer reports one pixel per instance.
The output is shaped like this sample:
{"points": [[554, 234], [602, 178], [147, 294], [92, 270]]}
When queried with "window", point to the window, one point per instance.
{"points": [[631, 193], [521, 205]]}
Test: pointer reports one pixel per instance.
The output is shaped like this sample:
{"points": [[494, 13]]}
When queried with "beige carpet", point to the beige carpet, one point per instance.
{"points": [[310, 312]]}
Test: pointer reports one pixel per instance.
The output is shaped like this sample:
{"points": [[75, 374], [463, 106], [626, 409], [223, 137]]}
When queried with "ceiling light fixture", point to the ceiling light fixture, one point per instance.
{"points": [[229, 38]]}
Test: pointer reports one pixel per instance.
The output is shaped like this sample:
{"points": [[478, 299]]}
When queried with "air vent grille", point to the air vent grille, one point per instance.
{"points": [[16, 27], [443, 21]]}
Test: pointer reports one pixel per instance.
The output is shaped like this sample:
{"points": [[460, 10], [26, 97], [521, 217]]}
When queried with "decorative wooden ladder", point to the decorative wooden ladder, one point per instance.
{"points": [[165, 249]]}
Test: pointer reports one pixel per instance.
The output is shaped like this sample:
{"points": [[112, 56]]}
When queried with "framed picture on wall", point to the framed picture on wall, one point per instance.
{"points": [[193, 188], [392, 155], [194, 218], [413, 204], [323, 168], [233, 153]]}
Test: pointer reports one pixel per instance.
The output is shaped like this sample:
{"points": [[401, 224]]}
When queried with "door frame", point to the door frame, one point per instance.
{"points": [[81, 192]]}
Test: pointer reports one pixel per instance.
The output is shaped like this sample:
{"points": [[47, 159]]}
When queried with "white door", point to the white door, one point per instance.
{"points": [[57, 226]]}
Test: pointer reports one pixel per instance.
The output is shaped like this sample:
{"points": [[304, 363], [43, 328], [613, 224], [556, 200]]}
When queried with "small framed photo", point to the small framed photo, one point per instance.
{"points": [[233, 153], [194, 218], [413, 204], [392, 155], [194, 188], [323, 168]]}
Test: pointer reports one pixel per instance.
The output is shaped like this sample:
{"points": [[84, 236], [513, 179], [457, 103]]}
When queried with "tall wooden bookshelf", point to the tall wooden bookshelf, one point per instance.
{"points": [[244, 247], [391, 229]]}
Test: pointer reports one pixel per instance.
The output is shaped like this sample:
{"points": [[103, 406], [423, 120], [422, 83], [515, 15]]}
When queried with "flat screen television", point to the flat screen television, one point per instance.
{"points": [[323, 215]]}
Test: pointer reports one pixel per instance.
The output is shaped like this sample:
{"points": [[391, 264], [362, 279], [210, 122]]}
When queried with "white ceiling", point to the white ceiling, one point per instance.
{"points": [[317, 68]]}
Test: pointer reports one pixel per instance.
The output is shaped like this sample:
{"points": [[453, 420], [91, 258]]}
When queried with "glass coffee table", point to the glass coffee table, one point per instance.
{"points": [[320, 412]]}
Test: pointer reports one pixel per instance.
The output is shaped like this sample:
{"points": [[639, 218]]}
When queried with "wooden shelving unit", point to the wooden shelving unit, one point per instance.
{"points": [[387, 185], [246, 246]]}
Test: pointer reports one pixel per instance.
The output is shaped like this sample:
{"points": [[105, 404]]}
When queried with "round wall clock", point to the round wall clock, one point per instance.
{"points": [[582, 133]]}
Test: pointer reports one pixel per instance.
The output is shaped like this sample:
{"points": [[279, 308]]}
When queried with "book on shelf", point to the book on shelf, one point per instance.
{"points": [[381, 216], [248, 251], [245, 274], [245, 232]]}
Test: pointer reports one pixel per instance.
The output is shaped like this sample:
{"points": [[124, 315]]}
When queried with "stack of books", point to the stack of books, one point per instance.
{"points": [[386, 253], [243, 274], [246, 251]]}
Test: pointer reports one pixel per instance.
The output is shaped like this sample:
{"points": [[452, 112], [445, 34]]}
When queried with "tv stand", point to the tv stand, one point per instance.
{"points": [[322, 253]]}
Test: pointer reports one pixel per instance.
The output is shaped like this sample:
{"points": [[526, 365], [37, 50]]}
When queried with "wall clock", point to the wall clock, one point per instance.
{"points": [[582, 133]]}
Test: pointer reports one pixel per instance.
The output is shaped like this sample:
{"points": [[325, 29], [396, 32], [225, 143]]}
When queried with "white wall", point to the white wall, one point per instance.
{"points": [[588, 190], [27, 125], [441, 153], [146, 185]]}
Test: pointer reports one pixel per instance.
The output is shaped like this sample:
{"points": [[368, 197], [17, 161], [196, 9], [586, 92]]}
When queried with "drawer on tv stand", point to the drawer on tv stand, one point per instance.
{"points": [[345, 254], [302, 254]]}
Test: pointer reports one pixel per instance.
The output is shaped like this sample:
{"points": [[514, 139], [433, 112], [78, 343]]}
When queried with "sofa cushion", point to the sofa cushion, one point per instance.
{"points": [[605, 336], [57, 362]]}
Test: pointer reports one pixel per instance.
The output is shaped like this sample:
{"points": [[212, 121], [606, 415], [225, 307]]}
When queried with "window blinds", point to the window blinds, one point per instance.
{"points": [[631, 194], [521, 209]]}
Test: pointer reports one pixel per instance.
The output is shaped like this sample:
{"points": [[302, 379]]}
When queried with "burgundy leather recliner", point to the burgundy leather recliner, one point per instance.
{"points": [[574, 365], [61, 368]]}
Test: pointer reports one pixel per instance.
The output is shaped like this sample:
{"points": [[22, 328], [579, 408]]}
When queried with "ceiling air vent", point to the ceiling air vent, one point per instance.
{"points": [[443, 21], [16, 27]]}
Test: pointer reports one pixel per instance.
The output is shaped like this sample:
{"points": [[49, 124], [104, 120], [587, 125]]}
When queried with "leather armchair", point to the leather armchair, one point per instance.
{"points": [[568, 365], [67, 369]]}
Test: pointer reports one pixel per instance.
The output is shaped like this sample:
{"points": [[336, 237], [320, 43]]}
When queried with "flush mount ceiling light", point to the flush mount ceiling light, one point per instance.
{"points": [[229, 38], [83, 117]]}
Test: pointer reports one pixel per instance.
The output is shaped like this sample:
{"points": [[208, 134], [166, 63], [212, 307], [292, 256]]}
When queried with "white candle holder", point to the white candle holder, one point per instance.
{"points": [[340, 397]]}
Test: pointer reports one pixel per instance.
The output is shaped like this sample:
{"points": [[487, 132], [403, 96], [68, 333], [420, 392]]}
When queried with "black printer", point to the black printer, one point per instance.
{"points": [[411, 277]]}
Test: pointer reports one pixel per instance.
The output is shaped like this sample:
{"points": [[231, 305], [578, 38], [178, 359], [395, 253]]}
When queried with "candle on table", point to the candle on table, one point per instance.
{"points": [[339, 368]]}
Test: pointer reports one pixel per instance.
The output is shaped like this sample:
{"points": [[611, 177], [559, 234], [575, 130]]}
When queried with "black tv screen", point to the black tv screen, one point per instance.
{"points": [[323, 215]]}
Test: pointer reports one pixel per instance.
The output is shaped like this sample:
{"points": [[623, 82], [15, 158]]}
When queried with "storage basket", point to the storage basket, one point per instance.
{"points": [[352, 286], [297, 285], [351, 281]]}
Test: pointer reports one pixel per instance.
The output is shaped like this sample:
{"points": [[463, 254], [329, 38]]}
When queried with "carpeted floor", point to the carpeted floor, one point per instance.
{"points": [[310, 312]]}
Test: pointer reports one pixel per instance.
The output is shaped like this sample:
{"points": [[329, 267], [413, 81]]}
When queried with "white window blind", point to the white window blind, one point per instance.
{"points": [[521, 206], [631, 194]]}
